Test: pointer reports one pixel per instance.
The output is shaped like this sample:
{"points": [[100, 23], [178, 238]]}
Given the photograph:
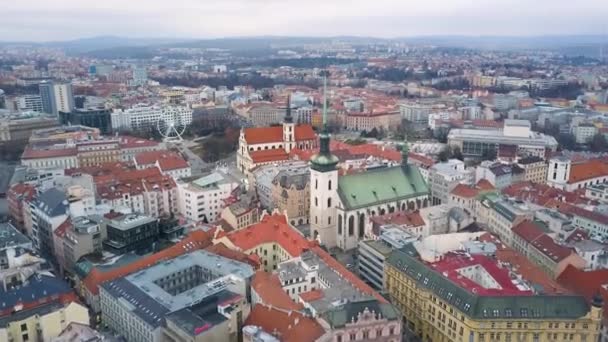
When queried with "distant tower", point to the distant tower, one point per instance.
{"points": [[323, 187], [289, 128]]}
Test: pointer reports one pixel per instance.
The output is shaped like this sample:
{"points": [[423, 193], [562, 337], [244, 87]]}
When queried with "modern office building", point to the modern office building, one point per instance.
{"points": [[29, 103], [197, 296], [143, 116], [475, 142], [56, 97], [92, 117], [373, 254], [133, 232], [202, 199]]}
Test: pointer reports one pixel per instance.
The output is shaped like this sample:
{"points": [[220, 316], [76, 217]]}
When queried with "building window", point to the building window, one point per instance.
{"points": [[23, 327], [329, 185], [353, 336], [329, 202]]}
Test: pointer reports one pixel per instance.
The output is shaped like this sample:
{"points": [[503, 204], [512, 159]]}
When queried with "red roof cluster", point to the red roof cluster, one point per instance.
{"points": [[274, 134], [272, 228], [586, 170], [586, 283], [272, 155], [534, 235], [268, 288], [41, 153], [524, 266], [288, 326], [543, 194], [573, 210], [22, 191], [167, 160], [449, 265], [468, 191]]}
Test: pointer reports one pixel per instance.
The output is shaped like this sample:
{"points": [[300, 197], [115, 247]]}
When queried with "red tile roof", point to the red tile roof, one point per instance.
{"points": [[585, 283], [63, 228], [543, 194], [196, 240], [223, 250], [523, 266], [268, 288], [272, 228], [408, 219], [263, 135], [274, 134], [465, 191], [42, 153], [449, 265], [311, 296], [304, 132], [485, 184], [594, 168], [528, 231], [264, 156], [288, 326], [573, 210], [23, 191], [534, 235], [167, 160]]}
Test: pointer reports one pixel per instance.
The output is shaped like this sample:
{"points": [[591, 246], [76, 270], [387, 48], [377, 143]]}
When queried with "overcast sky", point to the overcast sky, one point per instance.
{"points": [[41, 20]]}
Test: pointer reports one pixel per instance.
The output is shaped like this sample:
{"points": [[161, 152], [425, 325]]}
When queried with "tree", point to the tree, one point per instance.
{"points": [[457, 153], [599, 143], [566, 141], [444, 155]]}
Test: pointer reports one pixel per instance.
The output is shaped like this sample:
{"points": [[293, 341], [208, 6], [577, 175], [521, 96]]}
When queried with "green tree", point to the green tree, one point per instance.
{"points": [[599, 143]]}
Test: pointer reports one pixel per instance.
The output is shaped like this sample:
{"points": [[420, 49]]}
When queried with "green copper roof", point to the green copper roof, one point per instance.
{"points": [[381, 185], [488, 307], [337, 318]]}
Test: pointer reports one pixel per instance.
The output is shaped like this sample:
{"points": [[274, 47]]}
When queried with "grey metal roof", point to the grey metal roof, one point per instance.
{"points": [[37, 287], [151, 302], [339, 317], [53, 202], [11, 237]]}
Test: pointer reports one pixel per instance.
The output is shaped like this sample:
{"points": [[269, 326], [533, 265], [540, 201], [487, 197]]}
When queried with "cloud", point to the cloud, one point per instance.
{"points": [[66, 19]]}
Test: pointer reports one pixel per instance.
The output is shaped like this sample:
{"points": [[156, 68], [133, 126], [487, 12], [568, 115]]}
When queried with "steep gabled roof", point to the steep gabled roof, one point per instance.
{"points": [[381, 185]]}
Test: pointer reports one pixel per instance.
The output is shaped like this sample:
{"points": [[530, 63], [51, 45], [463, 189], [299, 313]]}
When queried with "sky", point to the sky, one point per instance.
{"points": [[51, 20]]}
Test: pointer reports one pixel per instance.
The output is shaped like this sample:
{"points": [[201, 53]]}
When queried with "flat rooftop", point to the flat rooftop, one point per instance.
{"points": [[142, 290], [129, 221], [498, 137]]}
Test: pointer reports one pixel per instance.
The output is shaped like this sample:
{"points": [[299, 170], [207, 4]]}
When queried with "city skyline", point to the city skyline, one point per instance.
{"points": [[35, 20]]}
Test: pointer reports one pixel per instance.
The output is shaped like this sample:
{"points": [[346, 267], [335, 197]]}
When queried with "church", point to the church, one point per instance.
{"points": [[269, 145], [341, 205]]}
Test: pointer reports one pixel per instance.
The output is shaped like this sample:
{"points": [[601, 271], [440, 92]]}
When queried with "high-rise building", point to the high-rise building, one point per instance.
{"points": [[56, 97], [30, 103]]}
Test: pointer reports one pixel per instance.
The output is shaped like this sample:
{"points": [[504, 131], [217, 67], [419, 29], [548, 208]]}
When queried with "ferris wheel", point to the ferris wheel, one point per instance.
{"points": [[171, 124]]}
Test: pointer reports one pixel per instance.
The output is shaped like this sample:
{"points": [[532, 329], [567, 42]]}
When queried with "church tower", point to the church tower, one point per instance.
{"points": [[324, 186], [289, 129]]}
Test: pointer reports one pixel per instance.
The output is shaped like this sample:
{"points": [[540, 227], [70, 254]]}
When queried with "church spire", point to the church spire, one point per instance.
{"points": [[288, 117], [405, 152], [324, 137], [324, 160]]}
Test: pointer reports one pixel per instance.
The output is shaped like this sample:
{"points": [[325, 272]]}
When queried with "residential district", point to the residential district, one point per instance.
{"points": [[330, 191]]}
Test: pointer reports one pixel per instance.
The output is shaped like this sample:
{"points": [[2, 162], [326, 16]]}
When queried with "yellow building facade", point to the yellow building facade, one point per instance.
{"points": [[44, 323], [437, 309]]}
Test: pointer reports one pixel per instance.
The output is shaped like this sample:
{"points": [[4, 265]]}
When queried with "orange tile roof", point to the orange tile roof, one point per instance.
{"points": [[30, 153], [167, 160], [196, 240], [594, 168], [272, 228], [268, 287], [222, 250], [263, 135], [346, 274], [264, 156], [311, 296], [485, 184], [304, 132], [466, 191], [288, 326]]}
